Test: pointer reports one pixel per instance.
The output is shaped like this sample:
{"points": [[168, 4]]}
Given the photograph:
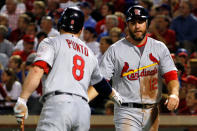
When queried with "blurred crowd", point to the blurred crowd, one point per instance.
{"points": [[25, 23]]}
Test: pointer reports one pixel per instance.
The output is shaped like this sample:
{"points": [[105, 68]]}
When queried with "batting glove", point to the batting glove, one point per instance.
{"points": [[116, 97], [20, 110]]}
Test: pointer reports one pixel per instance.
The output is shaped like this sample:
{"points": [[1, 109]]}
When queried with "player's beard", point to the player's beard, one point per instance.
{"points": [[137, 38]]}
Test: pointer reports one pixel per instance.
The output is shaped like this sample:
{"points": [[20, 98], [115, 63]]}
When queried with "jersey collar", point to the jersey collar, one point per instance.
{"points": [[143, 43]]}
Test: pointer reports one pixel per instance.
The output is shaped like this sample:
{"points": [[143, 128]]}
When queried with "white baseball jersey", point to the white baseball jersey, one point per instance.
{"points": [[73, 65], [143, 86]]}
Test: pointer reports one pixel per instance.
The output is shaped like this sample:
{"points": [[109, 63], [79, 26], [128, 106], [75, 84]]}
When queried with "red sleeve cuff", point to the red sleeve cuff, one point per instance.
{"points": [[172, 75], [43, 65]]}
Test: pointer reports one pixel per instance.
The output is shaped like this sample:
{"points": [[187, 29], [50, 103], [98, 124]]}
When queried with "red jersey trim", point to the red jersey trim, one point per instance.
{"points": [[143, 43], [43, 65], [171, 75]]}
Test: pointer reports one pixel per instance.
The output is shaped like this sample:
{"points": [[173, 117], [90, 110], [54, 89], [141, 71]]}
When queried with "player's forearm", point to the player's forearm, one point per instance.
{"points": [[173, 87], [92, 93], [31, 82]]}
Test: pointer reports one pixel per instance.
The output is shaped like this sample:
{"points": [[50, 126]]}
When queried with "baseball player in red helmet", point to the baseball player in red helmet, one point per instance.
{"points": [[136, 65], [67, 67]]}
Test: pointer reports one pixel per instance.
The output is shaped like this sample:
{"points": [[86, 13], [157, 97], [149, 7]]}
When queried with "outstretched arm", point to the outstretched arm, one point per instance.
{"points": [[92, 93], [31, 82], [103, 87]]}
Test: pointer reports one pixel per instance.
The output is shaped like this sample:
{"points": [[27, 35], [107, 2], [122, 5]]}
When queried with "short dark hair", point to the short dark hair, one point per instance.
{"points": [[91, 30], [110, 7], [107, 39], [40, 34]]}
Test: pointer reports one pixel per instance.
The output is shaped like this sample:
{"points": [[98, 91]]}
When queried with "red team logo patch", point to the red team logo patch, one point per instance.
{"points": [[72, 22], [137, 12]]}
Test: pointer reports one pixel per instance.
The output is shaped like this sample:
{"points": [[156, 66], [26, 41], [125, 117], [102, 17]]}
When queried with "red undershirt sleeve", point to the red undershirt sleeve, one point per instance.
{"points": [[171, 75], [43, 65]]}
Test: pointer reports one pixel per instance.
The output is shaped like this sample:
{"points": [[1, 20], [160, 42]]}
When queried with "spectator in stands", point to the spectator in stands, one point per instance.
{"points": [[191, 103], [12, 87], [182, 57], [29, 5], [191, 82], [53, 5], [120, 15], [68, 3], [115, 34], [4, 21], [164, 9], [188, 83], [119, 5], [146, 4], [185, 27], [3, 61], [174, 4], [87, 9], [194, 7], [28, 47], [47, 26], [15, 63], [111, 21], [5, 45], [89, 37], [56, 15], [109, 108], [180, 72], [107, 9], [20, 6], [105, 43], [39, 11], [30, 30], [40, 36], [18, 33], [3, 96], [159, 29], [13, 13]]}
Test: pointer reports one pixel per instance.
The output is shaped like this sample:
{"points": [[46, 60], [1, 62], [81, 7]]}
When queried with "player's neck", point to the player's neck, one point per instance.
{"points": [[76, 35], [137, 43]]}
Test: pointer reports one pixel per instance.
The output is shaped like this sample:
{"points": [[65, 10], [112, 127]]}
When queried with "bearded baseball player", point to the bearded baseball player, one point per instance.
{"points": [[67, 68], [136, 65]]}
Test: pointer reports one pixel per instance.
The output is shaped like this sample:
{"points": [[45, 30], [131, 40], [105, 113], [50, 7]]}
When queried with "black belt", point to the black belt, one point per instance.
{"points": [[138, 105], [44, 98]]}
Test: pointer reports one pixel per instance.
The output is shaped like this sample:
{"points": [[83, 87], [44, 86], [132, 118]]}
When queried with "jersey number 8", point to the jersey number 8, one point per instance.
{"points": [[78, 67]]}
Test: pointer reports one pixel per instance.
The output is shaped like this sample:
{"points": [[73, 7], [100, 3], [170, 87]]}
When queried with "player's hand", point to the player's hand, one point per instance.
{"points": [[172, 102], [20, 110], [115, 97]]}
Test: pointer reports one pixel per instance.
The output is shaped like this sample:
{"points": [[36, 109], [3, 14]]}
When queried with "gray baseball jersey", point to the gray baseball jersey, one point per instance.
{"points": [[143, 86], [73, 65]]}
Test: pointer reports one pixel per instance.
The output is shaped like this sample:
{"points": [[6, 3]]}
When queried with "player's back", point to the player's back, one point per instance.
{"points": [[72, 64]]}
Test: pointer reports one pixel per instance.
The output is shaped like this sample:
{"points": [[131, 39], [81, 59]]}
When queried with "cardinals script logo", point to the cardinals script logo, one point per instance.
{"points": [[126, 67]]}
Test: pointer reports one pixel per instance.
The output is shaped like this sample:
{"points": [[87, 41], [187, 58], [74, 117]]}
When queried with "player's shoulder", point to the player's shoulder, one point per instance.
{"points": [[48, 39], [119, 43]]}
